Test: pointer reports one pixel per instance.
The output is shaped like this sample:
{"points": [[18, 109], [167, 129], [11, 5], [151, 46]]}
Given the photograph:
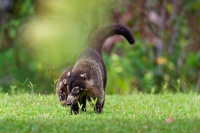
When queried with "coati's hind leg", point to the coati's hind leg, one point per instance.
{"points": [[99, 104]]}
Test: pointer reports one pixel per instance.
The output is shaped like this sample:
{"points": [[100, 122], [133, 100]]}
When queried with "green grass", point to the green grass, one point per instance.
{"points": [[134, 113]]}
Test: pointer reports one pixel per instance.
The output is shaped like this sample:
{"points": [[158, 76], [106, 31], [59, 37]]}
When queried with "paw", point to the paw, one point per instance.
{"points": [[98, 109], [74, 112]]}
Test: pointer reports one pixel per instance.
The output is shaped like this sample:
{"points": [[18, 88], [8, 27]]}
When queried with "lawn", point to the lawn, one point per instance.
{"points": [[34, 113]]}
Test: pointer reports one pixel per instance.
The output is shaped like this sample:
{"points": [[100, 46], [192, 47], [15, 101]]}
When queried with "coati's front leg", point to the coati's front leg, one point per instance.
{"points": [[83, 102], [74, 108]]}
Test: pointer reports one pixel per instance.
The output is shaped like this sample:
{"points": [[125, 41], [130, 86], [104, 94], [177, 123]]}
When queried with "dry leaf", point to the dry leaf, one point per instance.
{"points": [[169, 120]]}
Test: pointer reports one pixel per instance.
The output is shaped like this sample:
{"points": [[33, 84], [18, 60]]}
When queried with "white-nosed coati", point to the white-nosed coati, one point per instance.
{"points": [[88, 76], [61, 87]]}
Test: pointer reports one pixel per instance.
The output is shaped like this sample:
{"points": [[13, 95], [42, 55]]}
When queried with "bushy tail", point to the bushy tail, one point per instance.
{"points": [[98, 38]]}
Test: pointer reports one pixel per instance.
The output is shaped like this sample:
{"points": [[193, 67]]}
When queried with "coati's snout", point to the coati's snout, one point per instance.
{"points": [[70, 100]]}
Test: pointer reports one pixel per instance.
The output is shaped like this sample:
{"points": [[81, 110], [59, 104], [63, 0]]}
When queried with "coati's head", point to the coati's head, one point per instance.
{"points": [[61, 87], [62, 91], [76, 85]]}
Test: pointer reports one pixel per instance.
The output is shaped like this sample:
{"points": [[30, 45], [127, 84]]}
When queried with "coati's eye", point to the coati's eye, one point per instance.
{"points": [[62, 96], [76, 89]]}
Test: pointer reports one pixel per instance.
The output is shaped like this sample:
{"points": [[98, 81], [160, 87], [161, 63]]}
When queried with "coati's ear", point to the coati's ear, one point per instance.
{"points": [[83, 75], [65, 81]]}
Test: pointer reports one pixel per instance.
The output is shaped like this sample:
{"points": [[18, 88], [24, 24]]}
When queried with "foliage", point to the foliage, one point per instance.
{"points": [[16, 60], [38, 39], [168, 53], [131, 70], [136, 70], [132, 113]]}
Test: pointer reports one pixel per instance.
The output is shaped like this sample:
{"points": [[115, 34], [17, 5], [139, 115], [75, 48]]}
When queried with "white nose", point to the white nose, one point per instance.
{"points": [[70, 100]]}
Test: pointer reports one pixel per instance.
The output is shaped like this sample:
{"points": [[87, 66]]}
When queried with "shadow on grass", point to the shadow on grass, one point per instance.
{"points": [[97, 124]]}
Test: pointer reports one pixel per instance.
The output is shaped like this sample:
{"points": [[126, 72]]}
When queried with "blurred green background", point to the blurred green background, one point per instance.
{"points": [[39, 38]]}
